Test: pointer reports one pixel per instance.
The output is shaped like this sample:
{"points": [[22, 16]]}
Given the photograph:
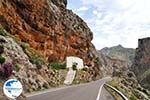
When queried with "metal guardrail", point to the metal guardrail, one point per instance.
{"points": [[120, 93]]}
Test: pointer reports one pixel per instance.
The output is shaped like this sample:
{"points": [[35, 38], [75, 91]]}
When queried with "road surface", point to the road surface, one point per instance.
{"points": [[89, 91]]}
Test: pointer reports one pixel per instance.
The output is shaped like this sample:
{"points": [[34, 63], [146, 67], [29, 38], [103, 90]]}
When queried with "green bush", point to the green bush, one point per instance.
{"points": [[57, 66], [16, 68], [37, 61], [24, 45], [74, 66], [2, 32], [132, 98], [1, 49], [2, 60], [85, 69]]}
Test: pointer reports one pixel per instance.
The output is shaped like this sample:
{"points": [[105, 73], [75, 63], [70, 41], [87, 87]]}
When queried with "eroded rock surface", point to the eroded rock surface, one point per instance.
{"points": [[48, 29], [141, 65]]}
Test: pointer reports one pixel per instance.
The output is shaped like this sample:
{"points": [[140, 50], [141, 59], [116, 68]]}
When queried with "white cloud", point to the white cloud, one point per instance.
{"points": [[95, 12], [83, 8], [81, 11], [118, 21]]}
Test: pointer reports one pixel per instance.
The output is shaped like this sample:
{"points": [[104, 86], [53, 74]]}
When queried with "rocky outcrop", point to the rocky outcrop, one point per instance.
{"points": [[49, 28], [141, 65]]}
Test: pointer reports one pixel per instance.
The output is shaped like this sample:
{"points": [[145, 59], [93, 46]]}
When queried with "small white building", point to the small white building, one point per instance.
{"points": [[71, 60]]}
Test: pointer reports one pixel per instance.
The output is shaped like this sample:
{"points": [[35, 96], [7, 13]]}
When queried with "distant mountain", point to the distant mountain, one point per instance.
{"points": [[119, 52], [141, 64], [115, 58], [111, 65]]}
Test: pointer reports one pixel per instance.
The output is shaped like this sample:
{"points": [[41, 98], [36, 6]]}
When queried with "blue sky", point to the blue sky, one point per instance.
{"points": [[114, 22]]}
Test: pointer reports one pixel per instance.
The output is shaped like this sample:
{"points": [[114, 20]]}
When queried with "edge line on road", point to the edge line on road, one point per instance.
{"points": [[99, 92]]}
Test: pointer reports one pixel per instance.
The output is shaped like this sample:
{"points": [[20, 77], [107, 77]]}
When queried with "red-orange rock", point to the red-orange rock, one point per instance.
{"points": [[49, 28]]}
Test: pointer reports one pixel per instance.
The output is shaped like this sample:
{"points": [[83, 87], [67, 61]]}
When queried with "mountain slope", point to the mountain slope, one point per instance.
{"points": [[116, 61], [119, 52]]}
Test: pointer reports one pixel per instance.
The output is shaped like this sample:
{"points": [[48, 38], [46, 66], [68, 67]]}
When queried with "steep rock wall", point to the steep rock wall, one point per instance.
{"points": [[141, 65], [49, 28]]}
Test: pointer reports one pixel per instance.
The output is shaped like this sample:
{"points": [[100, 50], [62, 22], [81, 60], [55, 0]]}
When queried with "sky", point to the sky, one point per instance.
{"points": [[114, 22]]}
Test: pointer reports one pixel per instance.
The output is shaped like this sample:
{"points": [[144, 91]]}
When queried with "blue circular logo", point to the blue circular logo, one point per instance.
{"points": [[12, 88]]}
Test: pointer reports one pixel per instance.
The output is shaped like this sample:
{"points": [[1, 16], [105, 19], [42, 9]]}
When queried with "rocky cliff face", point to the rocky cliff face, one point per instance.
{"points": [[36, 33], [141, 65], [49, 28]]}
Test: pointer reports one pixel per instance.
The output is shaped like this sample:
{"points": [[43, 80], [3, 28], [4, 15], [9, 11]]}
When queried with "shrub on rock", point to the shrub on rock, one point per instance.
{"points": [[37, 61], [16, 68], [1, 49], [2, 31], [57, 65], [2, 60], [6, 70]]}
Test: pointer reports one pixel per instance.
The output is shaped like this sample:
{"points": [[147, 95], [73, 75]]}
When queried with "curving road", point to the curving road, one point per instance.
{"points": [[89, 91]]}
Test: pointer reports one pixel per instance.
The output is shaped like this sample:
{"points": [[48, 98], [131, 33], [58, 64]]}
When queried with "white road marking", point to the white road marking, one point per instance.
{"points": [[100, 89], [99, 92]]}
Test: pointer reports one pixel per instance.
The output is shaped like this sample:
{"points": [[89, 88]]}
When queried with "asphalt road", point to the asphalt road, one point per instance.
{"points": [[105, 95], [90, 91]]}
